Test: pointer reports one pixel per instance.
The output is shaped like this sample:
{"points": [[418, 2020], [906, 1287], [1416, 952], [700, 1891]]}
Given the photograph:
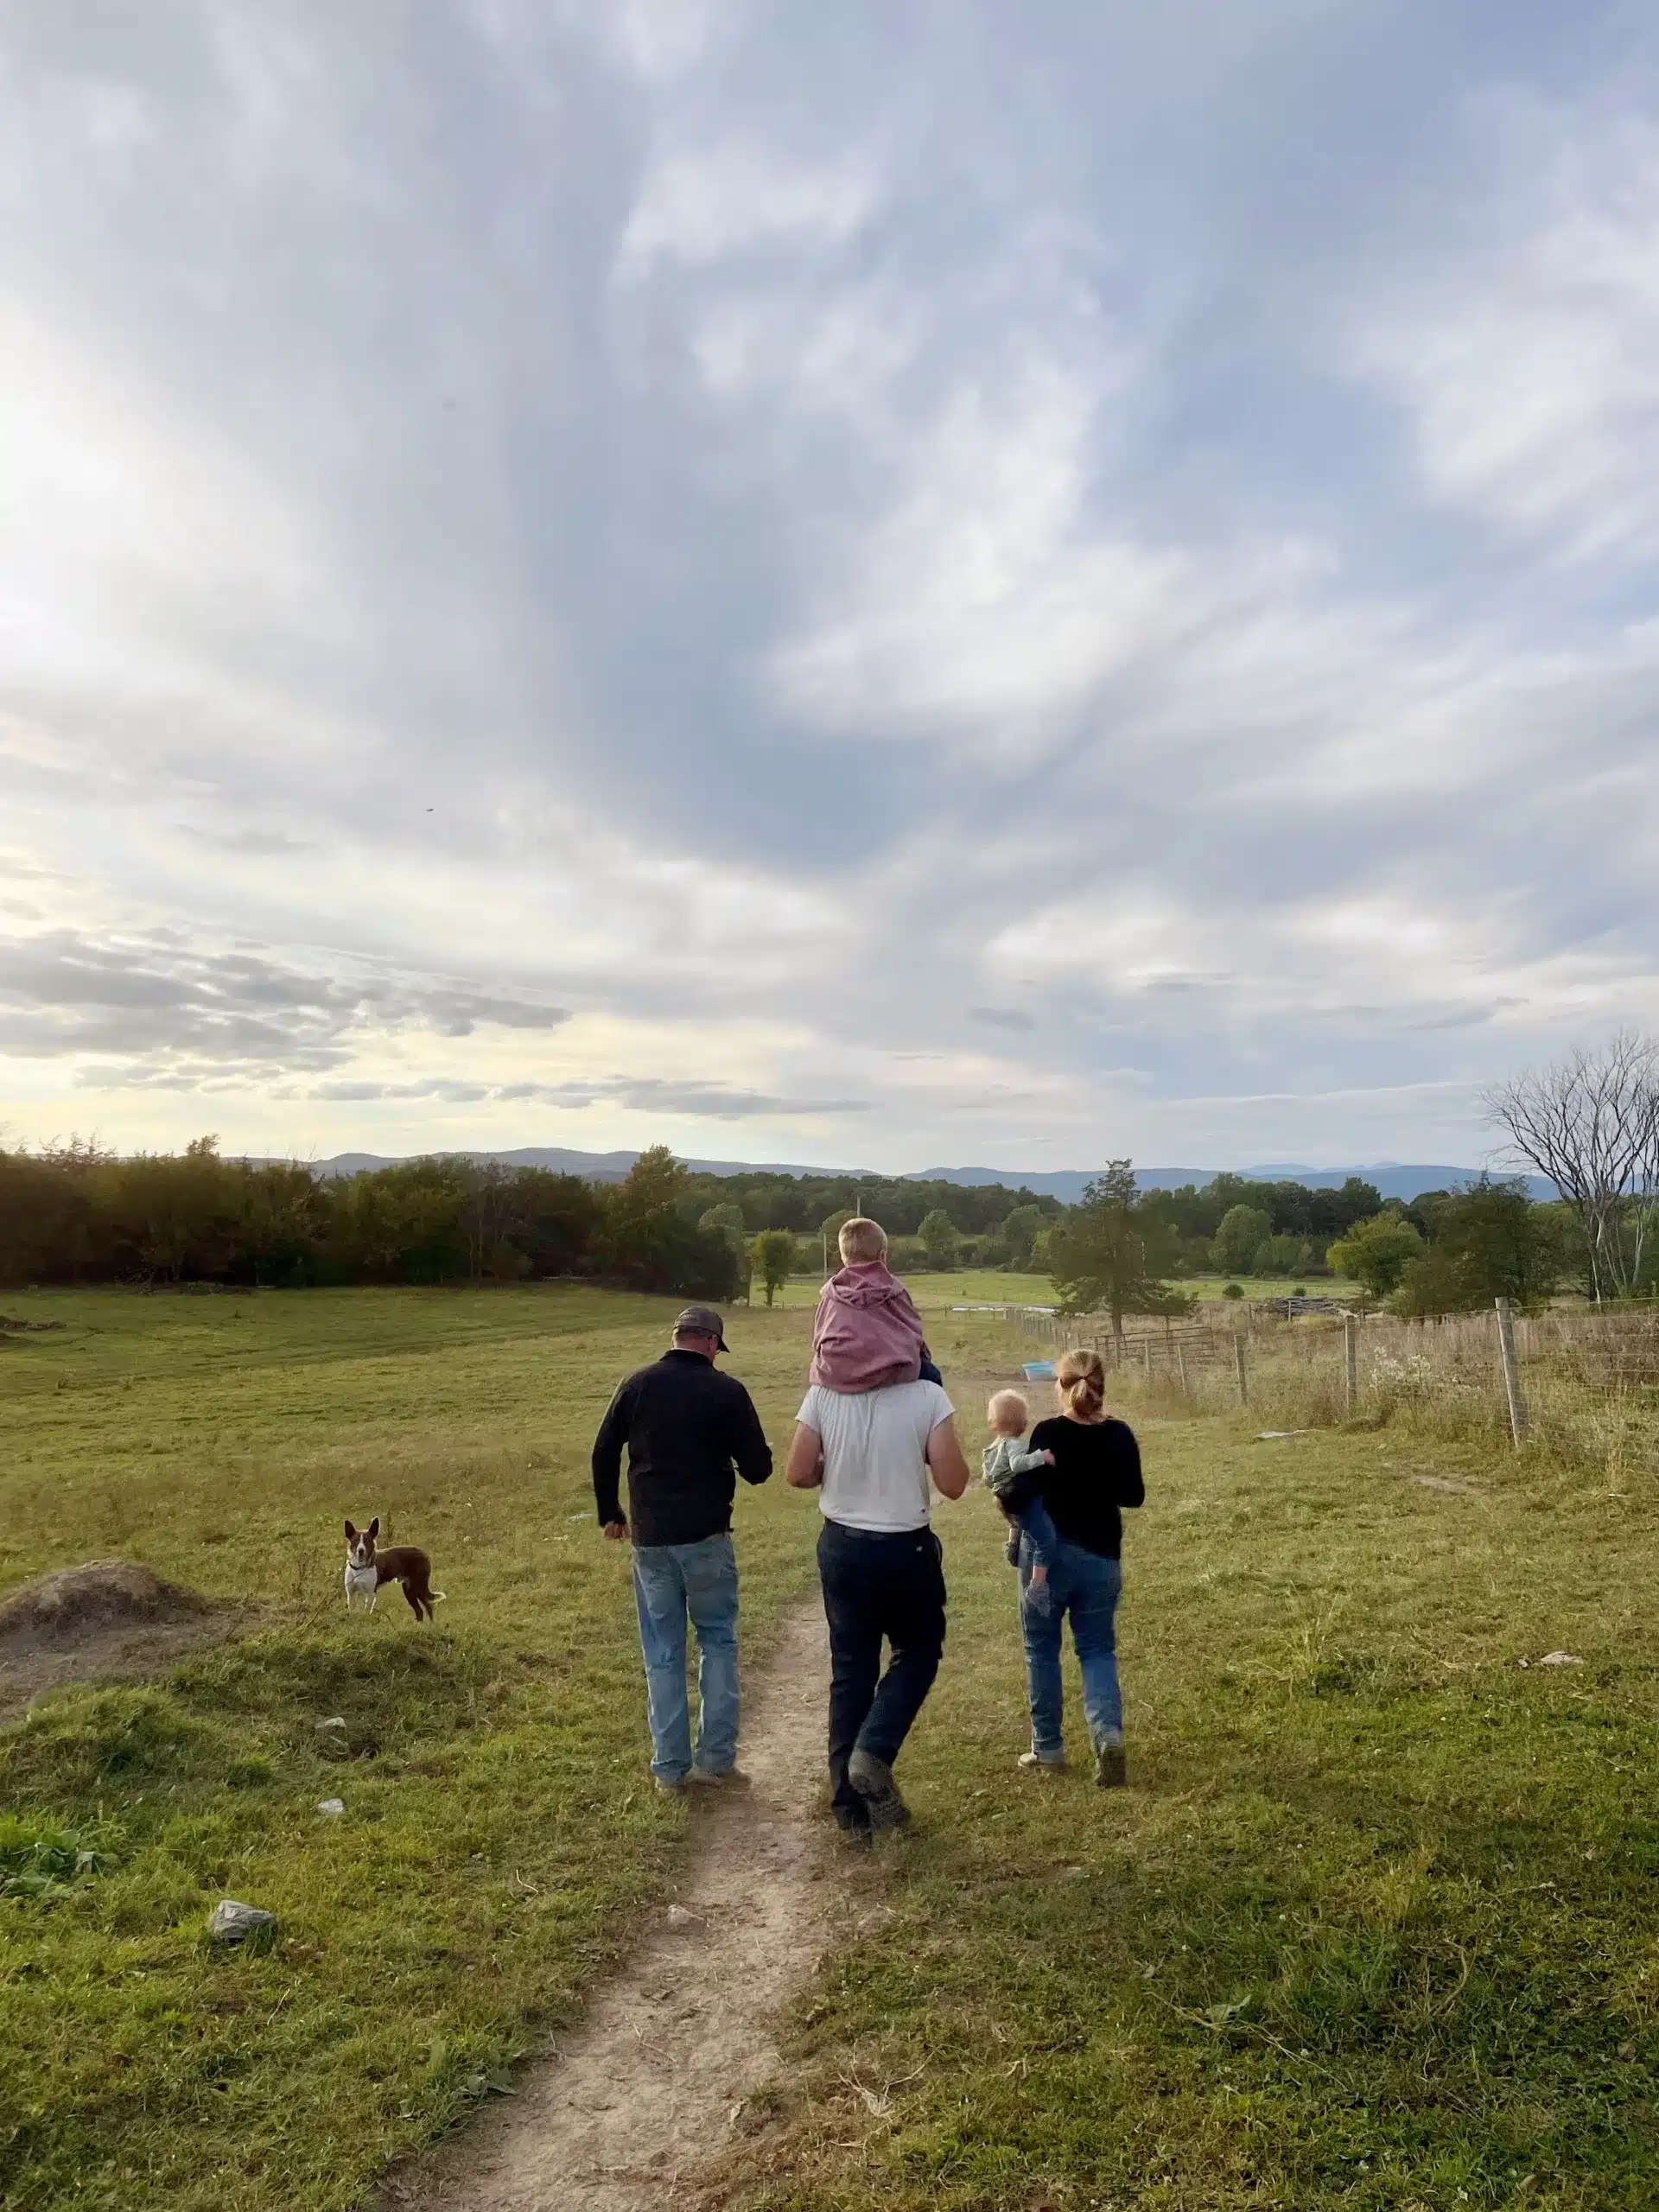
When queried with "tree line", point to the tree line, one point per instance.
{"points": [[766, 1198], [76, 1213], [1123, 1251]]}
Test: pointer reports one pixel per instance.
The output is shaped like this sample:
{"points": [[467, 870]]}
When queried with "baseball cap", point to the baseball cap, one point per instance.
{"points": [[701, 1321]]}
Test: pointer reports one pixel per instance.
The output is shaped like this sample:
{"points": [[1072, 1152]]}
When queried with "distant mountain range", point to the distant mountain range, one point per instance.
{"points": [[1392, 1178]]}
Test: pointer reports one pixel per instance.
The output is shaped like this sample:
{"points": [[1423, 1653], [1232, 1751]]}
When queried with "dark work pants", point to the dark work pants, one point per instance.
{"points": [[877, 1586]]}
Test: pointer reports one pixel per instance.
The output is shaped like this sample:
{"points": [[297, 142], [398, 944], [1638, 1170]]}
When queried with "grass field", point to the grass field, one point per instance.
{"points": [[500, 1832], [1207, 1287], [1374, 1929]]}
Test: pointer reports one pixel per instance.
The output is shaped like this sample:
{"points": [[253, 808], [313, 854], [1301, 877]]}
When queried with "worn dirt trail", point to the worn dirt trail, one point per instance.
{"points": [[636, 2102]]}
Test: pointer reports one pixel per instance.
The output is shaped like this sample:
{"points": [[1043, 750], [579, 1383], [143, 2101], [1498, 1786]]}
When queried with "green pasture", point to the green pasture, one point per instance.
{"points": [[500, 1836], [1373, 1929]]}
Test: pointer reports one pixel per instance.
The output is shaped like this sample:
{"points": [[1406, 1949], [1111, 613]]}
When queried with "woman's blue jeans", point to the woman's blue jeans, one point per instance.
{"points": [[1083, 1588], [671, 1583]]}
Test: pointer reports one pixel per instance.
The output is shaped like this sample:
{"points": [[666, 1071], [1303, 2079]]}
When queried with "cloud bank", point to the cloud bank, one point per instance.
{"points": [[1077, 580]]}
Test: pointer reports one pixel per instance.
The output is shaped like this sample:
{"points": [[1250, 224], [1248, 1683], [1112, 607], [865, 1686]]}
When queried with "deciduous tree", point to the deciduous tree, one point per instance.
{"points": [[1240, 1235], [1488, 1242], [1021, 1230], [1376, 1253], [773, 1255], [939, 1237], [1279, 1255]]}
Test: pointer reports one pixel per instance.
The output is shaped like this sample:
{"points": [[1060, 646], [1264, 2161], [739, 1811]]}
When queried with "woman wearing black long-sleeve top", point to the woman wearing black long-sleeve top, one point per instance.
{"points": [[1096, 1472]]}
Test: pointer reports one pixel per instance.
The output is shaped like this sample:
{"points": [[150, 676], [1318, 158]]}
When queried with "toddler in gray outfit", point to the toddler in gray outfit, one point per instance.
{"points": [[1009, 1416]]}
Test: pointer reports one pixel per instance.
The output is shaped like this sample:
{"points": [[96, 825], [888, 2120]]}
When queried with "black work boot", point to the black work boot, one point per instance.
{"points": [[872, 1779]]}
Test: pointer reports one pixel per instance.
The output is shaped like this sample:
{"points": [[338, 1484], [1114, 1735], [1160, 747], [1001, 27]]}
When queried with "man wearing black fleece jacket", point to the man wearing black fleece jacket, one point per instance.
{"points": [[686, 1426]]}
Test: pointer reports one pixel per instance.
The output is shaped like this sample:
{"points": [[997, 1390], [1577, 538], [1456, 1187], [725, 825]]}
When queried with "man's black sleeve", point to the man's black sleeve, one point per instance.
{"points": [[608, 1455], [749, 1446]]}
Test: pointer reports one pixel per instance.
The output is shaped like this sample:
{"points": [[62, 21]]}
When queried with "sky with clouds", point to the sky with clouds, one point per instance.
{"points": [[915, 582]]}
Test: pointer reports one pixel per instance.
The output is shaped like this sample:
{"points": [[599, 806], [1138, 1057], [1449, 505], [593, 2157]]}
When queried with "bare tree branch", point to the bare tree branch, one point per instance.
{"points": [[1590, 1123]]}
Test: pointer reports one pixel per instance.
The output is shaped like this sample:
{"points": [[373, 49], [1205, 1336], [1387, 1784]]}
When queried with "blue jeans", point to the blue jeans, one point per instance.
{"points": [[1038, 1531], [1084, 1589], [671, 1581]]}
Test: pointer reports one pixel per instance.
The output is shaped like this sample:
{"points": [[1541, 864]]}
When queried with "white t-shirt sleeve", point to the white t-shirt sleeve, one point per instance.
{"points": [[809, 1415], [940, 1406]]}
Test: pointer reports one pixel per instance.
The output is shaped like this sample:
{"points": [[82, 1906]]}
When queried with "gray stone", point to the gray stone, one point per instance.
{"points": [[231, 1921]]}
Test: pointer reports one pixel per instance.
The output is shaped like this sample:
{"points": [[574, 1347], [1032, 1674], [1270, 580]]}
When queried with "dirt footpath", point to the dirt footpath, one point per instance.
{"points": [[636, 2102]]}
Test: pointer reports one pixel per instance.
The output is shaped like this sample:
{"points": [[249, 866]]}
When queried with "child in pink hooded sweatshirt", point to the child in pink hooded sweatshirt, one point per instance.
{"points": [[868, 1333]]}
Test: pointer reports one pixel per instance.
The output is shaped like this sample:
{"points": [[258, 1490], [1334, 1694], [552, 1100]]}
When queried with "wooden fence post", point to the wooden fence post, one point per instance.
{"points": [[1511, 1372], [1241, 1362], [1145, 1348], [1350, 1346], [1180, 1364]]}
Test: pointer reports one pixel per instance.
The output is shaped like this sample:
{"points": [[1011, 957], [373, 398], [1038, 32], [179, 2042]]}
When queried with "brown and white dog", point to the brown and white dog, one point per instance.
{"points": [[367, 1569]]}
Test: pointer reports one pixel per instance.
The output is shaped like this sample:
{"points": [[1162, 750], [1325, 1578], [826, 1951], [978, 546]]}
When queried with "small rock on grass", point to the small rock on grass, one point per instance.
{"points": [[1560, 1659], [232, 1921], [336, 1720], [331, 1808]]}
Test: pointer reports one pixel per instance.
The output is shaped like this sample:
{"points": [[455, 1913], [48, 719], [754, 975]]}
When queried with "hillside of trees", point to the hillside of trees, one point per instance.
{"points": [[76, 1215]]}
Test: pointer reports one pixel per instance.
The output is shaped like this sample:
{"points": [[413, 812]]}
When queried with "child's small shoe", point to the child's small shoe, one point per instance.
{"points": [[1037, 1596], [1011, 1551]]}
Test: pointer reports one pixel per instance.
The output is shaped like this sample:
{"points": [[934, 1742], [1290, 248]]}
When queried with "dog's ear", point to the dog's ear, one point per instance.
{"points": [[374, 1526], [350, 1533]]}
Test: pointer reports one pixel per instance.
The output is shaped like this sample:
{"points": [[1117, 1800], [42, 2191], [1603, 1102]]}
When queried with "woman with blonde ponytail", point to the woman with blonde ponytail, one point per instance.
{"points": [[1095, 1473]]}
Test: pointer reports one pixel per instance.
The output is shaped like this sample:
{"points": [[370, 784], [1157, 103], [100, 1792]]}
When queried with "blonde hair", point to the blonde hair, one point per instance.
{"points": [[861, 1239], [1081, 1381], [1007, 1402]]}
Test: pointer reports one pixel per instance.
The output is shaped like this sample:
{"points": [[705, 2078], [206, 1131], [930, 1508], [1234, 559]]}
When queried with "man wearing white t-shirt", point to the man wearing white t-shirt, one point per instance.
{"points": [[871, 1453]]}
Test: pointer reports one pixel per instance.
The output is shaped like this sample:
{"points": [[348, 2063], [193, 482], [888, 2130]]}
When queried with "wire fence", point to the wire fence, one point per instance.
{"points": [[1582, 1383]]}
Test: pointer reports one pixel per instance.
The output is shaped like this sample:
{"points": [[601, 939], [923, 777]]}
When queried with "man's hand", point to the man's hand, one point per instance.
{"points": [[615, 1530]]}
